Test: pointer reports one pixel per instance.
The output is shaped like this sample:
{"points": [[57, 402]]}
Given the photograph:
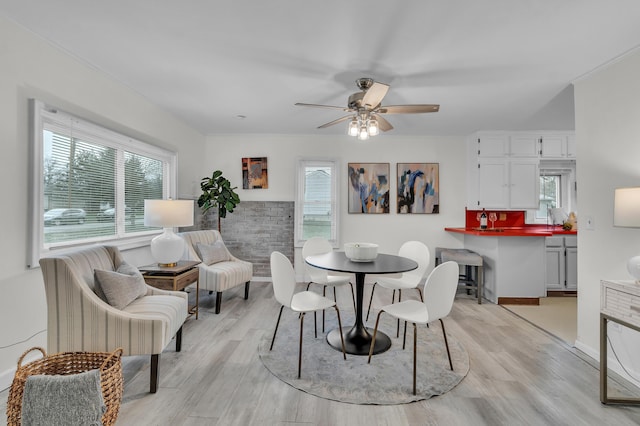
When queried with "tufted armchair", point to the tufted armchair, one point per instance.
{"points": [[79, 319], [219, 273]]}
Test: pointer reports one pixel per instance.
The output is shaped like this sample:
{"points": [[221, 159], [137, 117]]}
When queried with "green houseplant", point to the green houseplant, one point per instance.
{"points": [[217, 192]]}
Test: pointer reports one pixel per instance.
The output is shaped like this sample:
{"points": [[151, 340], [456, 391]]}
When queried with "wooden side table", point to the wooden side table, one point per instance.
{"points": [[620, 303], [174, 278]]}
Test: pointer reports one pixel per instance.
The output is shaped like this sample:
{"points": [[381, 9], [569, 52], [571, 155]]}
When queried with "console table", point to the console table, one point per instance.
{"points": [[174, 278], [620, 303]]}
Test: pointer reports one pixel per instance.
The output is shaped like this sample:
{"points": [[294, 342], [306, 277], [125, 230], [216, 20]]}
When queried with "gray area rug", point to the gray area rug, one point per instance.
{"points": [[387, 380]]}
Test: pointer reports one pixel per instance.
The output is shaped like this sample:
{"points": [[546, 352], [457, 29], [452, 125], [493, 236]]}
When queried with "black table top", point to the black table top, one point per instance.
{"points": [[383, 264]]}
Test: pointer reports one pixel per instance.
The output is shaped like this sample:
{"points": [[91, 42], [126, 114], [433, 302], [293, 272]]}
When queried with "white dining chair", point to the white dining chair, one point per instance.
{"points": [[439, 292], [416, 251], [315, 246], [284, 283]]}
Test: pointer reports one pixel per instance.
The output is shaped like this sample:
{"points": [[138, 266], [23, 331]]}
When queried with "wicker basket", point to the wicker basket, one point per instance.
{"points": [[66, 363]]}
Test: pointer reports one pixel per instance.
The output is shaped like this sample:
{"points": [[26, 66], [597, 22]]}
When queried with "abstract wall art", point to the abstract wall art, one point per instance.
{"points": [[368, 187], [418, 188], [254, 173]]}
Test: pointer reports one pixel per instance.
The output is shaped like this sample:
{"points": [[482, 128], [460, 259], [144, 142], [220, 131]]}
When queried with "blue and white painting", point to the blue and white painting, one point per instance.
{"points": [[368, 187], [418, 188]]}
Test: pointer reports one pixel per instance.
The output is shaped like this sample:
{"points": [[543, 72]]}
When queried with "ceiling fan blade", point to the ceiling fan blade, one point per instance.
{"points": [[408, 109], [321, 106], [383, 124], [374, 94], [339, 120]]}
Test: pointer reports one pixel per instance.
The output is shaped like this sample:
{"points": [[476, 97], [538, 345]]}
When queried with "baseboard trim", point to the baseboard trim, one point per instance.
{"points": [[518, 300], [561, 293]]}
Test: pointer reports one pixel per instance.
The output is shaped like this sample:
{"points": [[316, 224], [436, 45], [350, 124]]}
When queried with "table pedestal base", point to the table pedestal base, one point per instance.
{"points": [[357, 341]]}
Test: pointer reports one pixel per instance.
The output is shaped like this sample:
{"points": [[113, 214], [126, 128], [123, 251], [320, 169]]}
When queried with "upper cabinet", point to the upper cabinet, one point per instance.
{"points": [[505, 145], [504, 166], [558, 146], [508, 183]]}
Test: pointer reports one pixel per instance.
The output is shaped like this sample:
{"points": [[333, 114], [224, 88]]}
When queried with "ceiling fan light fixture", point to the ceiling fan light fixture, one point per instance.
{"points": [[373, 128], [366, 112], [363, 135], [353, 128]]}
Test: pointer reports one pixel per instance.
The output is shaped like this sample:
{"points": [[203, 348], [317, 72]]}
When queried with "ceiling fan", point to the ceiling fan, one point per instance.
{"points": [[365, 118]]}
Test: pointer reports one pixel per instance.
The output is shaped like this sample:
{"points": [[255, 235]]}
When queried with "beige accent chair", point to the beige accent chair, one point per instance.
{"points": [[78, 319], [218, 276]]}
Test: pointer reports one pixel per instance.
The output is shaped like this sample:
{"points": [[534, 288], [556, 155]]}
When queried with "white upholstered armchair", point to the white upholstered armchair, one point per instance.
{"points": [[80, 319], [219, 270]]}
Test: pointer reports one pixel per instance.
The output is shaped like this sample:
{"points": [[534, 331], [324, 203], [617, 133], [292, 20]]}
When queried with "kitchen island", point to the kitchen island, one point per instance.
{"points": [[515, 260]]}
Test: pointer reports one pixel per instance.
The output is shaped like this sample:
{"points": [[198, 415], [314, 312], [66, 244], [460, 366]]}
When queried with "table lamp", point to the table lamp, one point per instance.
{"points": [[626, 213], [167, 248]]}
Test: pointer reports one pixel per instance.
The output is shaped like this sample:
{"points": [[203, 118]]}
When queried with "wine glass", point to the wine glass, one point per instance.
{"points": [[492, 218], [478, 218]]}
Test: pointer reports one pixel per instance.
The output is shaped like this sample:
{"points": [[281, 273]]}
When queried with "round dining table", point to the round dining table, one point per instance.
{"points": [[357, 339]]}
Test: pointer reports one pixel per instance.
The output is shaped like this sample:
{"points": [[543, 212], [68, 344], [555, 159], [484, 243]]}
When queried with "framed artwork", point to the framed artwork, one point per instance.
{"points": [[368, 188], [254, 173], [418, 188]]}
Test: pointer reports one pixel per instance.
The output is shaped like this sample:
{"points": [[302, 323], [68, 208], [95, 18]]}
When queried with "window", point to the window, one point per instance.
{"points": [[550, 195], [316, 201], [557, 190], [90, 183]]}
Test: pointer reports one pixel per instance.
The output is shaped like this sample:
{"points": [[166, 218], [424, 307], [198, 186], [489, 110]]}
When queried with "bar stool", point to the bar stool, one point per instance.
{"points": [[473, 264]]}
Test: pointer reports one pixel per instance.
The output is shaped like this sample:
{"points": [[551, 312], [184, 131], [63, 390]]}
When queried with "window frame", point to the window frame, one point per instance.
{"points": [[301, 165], [566, 170], [41, 115]]}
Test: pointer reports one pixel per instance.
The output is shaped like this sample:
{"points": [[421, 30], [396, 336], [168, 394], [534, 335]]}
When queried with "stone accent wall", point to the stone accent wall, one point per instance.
{"points": [[254, 230]]}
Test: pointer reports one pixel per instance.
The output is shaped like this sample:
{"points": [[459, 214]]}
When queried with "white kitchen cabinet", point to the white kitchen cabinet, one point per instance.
{"points": [[508, 183], [524, 146], [555, 263], [571, 146], [561, 263], [505, 145], [493, 183], [562, 146], [493, 145], [524, 184]]}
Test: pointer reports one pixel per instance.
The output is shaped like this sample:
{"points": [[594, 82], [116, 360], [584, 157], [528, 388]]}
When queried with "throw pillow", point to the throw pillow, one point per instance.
{"points": [[121, 287], [212, 253], [74, 399]]}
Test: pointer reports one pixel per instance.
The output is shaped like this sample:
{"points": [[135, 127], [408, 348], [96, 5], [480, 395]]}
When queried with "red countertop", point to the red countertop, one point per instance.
{"points": [[508, 224], [516, 231]]}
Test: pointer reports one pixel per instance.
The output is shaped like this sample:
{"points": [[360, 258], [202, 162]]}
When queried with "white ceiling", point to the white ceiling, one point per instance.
{"points": [[493, 64]]}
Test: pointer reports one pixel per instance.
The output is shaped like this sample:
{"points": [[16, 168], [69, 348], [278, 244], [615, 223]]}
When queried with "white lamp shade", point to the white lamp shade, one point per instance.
{"points": [[626, 207], [168, 213]]}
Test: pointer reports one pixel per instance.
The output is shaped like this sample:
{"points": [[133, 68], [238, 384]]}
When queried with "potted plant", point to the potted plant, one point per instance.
{"points": [[217, 192]]}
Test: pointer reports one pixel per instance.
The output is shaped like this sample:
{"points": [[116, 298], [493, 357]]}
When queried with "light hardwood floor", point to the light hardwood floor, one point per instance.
{"points": [[519, 375]]}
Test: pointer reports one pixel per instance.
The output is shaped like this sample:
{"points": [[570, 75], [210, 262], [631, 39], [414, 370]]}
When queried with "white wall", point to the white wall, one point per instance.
{"points": [[224, 152], [607, 104], [31, 68]]}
